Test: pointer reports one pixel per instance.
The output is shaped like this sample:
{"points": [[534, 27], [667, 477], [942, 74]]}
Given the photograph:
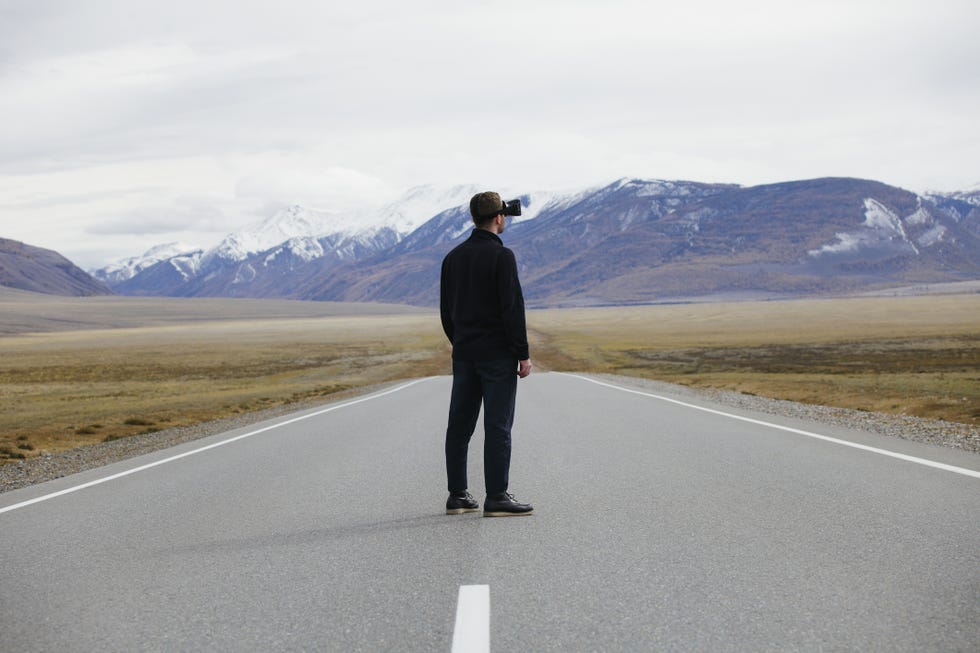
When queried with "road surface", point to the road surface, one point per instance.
{"points": [[659, 526]]}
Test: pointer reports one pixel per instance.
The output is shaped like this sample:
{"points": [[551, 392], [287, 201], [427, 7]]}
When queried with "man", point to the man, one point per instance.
{"points": [[482, 309]]}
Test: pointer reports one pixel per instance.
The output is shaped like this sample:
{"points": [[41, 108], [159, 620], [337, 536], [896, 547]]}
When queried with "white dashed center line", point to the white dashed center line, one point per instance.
{"points": [[472, 631]]}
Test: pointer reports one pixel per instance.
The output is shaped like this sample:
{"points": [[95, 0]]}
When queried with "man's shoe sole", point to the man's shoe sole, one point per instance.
{"points": [[460, 511], [501, 513]]}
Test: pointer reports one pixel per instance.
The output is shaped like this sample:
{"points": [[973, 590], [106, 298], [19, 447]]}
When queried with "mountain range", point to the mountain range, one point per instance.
{"points": [[632, 241]]}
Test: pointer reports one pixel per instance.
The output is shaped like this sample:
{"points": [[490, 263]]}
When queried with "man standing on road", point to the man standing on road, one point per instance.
{"points": [[482, 309]]}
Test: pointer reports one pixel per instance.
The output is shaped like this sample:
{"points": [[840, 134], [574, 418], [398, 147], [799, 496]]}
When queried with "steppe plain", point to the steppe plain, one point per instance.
{"points": [[79, 371]]}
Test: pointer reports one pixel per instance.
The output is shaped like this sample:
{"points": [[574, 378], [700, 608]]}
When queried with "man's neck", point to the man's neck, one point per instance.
{"points": [[492, 229]]}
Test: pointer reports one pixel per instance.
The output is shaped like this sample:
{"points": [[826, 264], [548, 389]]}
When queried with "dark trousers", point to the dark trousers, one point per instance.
{"points": [[494, 384]]}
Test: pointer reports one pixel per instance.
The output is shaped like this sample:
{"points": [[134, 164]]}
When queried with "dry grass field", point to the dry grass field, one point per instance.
{"points": [[60, 390], [911, 355], [131, 365]]}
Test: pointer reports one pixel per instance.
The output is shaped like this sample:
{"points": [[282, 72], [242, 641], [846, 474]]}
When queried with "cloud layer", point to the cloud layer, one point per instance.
{"points": [[130, 122]]}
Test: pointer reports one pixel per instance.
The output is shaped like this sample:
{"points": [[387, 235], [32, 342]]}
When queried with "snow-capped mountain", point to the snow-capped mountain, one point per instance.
{"points": [[288, 223], [637, 241], [971, 197], [633, 240], [120, 271], [293, 232], [252, 261], [417, 205]]}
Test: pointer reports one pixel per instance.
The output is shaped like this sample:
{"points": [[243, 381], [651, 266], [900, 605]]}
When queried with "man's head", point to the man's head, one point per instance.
{"points": [[485, 207]]}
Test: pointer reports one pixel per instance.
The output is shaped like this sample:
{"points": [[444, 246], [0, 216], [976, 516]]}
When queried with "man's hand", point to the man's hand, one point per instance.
{"points": [[523, 368]]}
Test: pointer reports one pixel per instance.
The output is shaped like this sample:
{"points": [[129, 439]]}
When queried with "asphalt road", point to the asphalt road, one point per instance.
{"points": [[658, 527]]}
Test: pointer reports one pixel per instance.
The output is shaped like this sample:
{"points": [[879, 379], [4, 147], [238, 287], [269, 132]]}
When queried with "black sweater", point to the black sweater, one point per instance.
{"points": [[481, 302]]}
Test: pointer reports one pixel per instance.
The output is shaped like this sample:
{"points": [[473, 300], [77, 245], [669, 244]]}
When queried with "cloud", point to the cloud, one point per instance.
{"points": [[116, 112], [179, 215], [133, 102], [278, 179]]}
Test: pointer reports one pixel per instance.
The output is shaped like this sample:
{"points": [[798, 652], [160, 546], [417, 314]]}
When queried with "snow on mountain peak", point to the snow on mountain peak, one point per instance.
{"points": [[305, 248], [291, 222], [123, 269], [418, 204], [421, 203], [404, 215], [295, 228]]}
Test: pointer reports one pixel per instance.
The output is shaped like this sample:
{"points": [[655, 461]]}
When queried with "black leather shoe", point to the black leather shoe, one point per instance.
{"points": [[460, 502], [505, 505]]}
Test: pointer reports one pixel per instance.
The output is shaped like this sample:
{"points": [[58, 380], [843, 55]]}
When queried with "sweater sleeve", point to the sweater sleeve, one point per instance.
{"points": [[511, 299], [445, 304]]}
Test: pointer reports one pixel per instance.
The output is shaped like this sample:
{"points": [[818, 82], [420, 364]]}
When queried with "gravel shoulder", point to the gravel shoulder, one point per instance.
{"points": [[51, 466]]}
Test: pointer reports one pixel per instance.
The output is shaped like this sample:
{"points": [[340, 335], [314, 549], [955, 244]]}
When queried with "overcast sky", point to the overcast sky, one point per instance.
{"points": [[128, 123]]}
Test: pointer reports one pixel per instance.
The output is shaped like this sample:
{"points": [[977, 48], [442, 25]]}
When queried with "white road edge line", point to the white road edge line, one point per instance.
{"points": [[471, 634], [106, 479], [883, 452]]}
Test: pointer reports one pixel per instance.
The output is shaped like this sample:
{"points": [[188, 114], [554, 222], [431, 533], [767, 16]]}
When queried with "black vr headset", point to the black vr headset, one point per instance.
{"points": [[510, 207]]}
